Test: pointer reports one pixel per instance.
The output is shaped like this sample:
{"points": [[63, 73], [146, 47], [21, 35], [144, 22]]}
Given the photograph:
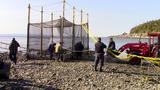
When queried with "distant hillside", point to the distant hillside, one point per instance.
{"points": [[151, 26]]}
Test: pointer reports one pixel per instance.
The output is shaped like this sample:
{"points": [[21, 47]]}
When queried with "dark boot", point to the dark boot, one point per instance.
{"points": [[101, 70], [15, 62], [95, 69]]}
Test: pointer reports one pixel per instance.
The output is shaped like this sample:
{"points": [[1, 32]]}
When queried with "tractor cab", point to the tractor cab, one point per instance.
{"points": [[154, 43]]}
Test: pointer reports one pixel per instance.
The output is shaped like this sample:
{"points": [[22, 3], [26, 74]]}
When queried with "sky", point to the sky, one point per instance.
{"points": [[106, 17]]}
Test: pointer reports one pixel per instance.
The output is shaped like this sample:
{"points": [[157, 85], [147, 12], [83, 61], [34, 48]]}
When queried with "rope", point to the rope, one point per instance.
{"points": [[156, 68], [89, 32], [51, 4], [78, 51], [22, 49], [126, 58], [151, 59], [146, 77]]}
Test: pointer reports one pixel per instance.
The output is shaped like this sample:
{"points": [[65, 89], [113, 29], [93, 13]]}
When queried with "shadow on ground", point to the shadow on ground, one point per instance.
{"points": [[34, 63], [133, 73], [20, 84]]}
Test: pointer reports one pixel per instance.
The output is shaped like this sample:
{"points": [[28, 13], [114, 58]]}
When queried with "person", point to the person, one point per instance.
{"points": [[58, 51], [99, 54], [78, 48], [13, 49], [51, 49], [111, 44]]}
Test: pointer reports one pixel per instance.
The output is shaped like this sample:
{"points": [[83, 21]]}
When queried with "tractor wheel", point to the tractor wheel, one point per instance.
{"points": [[135, 61]]}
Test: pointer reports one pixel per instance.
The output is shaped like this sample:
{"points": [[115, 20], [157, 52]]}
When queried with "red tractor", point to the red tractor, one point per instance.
{"points": [[144, 49], [150, 49]]}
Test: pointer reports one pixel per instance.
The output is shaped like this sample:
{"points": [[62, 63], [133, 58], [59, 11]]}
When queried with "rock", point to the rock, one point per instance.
{"points": [[2, 87], [42, 74], [128, 81], [79, 79], [94, 85], [119, 87]]}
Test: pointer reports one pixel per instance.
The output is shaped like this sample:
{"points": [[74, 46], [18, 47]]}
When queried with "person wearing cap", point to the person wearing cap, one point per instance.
{"points": [[99, 54], [13, 49]]}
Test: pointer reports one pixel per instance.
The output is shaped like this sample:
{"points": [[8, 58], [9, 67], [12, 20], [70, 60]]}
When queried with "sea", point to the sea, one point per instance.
{"points": [[118, 40]]}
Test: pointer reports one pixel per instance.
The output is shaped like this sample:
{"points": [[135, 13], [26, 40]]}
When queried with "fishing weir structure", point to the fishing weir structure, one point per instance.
{"points": [[65, 28]]}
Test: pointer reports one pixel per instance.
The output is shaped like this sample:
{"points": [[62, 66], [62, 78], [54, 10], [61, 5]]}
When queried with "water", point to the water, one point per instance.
{"points": [[21, 39], [119, 41], [7, 39]]}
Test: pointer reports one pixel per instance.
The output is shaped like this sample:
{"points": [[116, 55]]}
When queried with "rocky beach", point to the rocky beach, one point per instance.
{"points": [[79, 75]]}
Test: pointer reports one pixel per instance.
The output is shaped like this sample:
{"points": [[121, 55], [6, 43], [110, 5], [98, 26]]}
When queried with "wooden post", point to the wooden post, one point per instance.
{"points": [[88, 31], [73, 31], [158, 54], [81, 27], [28, 28], [64, 2], [149, 44], [60, 29], [52, 26], [41, 31], [62, 24]]}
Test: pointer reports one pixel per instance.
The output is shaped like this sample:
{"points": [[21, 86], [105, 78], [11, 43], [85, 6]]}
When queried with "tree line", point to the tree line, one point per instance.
{"points": [[150, 26]]}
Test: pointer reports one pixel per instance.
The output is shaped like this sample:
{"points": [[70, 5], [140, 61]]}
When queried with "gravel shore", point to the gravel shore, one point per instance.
{"points": [[79, 75]]}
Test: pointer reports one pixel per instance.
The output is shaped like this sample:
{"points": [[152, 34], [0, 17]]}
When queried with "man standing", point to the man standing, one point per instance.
{"points": [[112, 44], [99, 54], [13, 49]]}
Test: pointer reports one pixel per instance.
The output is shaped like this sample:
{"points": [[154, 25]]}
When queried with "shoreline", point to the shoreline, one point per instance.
{"points": [[136, 36], [130, 37]]}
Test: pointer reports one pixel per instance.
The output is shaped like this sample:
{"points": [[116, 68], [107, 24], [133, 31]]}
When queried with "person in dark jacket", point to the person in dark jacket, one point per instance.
{"points": [[51, 50], [99, 54], [112, 44], [13, 49], [78, 48]]}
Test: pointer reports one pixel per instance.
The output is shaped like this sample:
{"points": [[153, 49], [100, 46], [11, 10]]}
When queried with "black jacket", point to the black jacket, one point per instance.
{"points": [[99, 47], [79, 46], [14, 47], [51, 48], [112, 45]]}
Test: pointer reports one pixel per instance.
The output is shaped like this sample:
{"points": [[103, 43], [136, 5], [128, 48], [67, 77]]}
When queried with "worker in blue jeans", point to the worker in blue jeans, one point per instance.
{"points": [[99, 54]]}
